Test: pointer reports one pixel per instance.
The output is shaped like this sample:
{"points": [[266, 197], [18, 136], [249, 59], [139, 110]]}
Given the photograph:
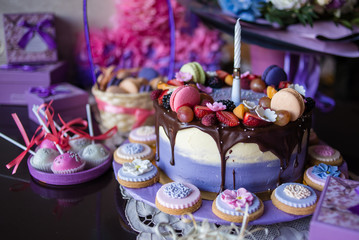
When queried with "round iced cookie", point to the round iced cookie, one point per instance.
{"points": [[324, 154], [294, 198], [178, 198], [316, 176], [137, 174], [143, 134], [230, 205], [78, 143], [94, 155], [130, 151], [66, 163], [43, 159], [290, 100]]}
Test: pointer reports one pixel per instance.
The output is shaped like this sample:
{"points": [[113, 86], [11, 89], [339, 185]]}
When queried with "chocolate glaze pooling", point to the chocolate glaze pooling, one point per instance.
{"points": [[281, 141]]}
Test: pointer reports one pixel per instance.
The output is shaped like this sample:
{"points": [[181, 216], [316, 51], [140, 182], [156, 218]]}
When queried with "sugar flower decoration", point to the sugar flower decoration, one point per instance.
{"points": [[204, 89], [298, 88], [249, 104], [237, 198], [137, 167], [266, 114], [183, 76], [216, 106], [323, 171], [177, 190]]}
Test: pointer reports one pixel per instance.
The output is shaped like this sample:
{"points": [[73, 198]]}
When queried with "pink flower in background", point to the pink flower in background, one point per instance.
{"points": [[237, 198], [216, 106], [141, 37]]}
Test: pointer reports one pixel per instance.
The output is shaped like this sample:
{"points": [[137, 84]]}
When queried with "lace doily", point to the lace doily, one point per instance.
{"points": [[144, 218]]}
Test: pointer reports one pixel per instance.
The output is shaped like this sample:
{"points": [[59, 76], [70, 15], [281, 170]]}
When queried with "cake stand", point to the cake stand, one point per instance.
{"points": [[271, 214]]}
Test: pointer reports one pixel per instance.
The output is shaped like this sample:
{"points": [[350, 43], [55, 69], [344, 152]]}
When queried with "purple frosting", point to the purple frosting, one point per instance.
{"points": [[133, 148], [177, 190]]}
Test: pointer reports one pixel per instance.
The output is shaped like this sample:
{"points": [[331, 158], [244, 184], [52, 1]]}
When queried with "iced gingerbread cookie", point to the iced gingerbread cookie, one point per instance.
{"points": [[67, 163], [130, 151], [94, 155], [324, 154], [43, 159], [178, 198], [316, 176], [137, 174], [143, 134], [294, 198], [230, 205]]}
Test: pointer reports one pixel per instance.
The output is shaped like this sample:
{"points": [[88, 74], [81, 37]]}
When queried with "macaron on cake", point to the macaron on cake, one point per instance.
{"points": [[294, 198], [67, 163], [289, 100], [143, 134], [130, 151], [196, 70], [137, 174], [184, 96], [230, 205], [43, 159], [178, 198], [273, 75], [78, 143], [324, 154], [94, 155], [316, 176]]}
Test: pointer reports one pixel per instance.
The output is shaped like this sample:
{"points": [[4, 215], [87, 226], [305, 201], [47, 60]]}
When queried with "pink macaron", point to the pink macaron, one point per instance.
{"points": [[184, 96], [67, 163]]}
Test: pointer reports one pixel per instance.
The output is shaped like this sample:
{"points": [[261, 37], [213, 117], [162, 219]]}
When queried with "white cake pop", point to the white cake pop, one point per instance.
{"points": [[78, 144], [43, 159], [94, 155]]}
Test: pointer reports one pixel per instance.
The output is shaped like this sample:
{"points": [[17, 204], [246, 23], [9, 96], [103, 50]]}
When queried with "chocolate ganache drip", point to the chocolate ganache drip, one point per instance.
{"points": [[280, 140]]}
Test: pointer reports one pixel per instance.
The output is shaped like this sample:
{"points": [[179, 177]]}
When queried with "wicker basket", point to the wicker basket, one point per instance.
{"points": [[124, 110]]}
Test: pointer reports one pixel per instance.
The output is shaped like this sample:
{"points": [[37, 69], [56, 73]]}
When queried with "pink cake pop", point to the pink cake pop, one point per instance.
{"points": [[46, 143], [67, 163]]}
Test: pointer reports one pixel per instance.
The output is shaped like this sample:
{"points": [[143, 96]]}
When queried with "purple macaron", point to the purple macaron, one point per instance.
{"points": [[273, 75], [148, 73]]}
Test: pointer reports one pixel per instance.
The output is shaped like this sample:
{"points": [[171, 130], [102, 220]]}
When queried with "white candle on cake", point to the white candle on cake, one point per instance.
{"points": [[236, 87]]}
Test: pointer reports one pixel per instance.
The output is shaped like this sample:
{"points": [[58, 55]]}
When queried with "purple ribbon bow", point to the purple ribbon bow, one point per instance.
{"points": [[355, 209], [44, 92], [39, 28]]}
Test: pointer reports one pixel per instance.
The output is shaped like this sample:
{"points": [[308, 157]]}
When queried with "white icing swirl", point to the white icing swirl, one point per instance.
{"points": [[297, 191]]}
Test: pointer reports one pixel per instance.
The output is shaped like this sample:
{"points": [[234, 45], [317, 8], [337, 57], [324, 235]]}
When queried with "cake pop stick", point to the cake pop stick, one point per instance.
{"points": [[45, 127], [89, 120], [44, 114], [16, 143]]}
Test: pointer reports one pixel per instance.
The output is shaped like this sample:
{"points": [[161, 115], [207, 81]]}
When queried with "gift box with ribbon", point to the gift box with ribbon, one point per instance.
{"points": [[337, 212], [30, 38], [68, 100], [15, 80]]}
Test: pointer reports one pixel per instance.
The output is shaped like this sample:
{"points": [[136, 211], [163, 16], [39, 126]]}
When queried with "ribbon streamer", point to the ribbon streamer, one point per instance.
{"points": [[38, 28], [44, 92], [140, 114]]}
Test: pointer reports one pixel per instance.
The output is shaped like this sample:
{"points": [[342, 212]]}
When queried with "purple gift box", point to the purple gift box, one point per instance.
{"points": [[30, 38], [15, 80], [337, 212], [68, 100]]}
